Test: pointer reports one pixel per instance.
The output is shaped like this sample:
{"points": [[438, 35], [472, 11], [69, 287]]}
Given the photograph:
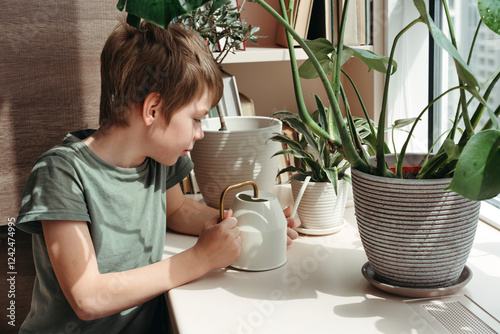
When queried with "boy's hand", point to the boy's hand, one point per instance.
{"points": [[219, 243], [291, 224]]}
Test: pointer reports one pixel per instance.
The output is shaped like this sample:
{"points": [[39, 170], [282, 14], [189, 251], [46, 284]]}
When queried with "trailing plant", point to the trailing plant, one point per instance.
{"points": [[471, 157]]}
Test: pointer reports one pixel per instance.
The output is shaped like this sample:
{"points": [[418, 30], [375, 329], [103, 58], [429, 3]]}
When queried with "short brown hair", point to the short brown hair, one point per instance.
{"points": [[175, 63]]}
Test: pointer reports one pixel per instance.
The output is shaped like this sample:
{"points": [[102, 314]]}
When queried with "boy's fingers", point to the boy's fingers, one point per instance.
{"points": [[230, 222], [228, 213], [288, 211]]}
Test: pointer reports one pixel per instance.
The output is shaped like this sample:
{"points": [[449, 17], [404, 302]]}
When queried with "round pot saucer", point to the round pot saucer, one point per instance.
{"points": [[321, 231], [370, 276]]}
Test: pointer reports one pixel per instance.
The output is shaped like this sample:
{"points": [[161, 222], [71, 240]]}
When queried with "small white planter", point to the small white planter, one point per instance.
{"points": [[224, 158], [321, 210]]}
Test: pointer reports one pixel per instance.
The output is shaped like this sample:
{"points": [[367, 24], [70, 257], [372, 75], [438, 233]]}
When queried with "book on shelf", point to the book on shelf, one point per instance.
{"points": [[300, 22], [247, 105], [323, 22], [327, 15], [351, 33], [229, 104]]}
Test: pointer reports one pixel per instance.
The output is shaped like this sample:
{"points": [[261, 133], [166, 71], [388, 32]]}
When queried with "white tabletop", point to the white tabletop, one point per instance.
{"points": [[321, 290]]}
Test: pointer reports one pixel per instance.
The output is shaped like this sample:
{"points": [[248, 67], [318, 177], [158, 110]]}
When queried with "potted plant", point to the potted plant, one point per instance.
{"points": [[467, 165], [420, 236], [323, 202], [322, 205]]}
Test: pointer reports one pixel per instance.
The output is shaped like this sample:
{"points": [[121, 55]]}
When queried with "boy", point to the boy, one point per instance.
{"points": [[97, 204]]}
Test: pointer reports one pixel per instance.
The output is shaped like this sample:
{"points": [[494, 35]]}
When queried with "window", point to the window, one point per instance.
{"points": [[484, 61]]}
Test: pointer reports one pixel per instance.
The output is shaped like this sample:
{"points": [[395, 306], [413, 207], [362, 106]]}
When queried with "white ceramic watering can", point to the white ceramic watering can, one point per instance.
{"points": [[262, 226]]}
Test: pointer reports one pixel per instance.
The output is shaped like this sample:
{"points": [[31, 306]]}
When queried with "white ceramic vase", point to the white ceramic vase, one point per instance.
{"points": [[320, 207], [242, 153]]}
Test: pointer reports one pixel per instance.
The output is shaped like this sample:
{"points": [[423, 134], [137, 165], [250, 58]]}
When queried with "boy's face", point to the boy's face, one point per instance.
{"points": [[177, 138]]}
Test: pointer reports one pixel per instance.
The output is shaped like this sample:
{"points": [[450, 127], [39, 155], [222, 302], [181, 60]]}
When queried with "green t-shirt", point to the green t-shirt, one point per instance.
{"points": [[126, 213]]}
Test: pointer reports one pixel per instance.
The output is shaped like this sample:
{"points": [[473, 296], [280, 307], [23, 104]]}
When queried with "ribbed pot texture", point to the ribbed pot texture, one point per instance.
{"points": [[415, 233], [224, 158], [320, 207]]}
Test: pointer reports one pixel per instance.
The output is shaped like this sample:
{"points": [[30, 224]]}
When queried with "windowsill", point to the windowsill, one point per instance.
{"points": [[489, 214]]}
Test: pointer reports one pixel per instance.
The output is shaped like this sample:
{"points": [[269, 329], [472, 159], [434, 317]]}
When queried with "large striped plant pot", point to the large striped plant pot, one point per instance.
{"points": [[415, 233], [242, 153]]}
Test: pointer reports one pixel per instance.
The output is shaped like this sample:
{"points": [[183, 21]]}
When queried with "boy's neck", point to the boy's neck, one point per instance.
{"points": [[117, 146]]}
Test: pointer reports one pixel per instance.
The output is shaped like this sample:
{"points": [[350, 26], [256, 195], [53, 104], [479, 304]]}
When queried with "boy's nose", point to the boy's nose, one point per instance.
{"points": [[199, 134]]}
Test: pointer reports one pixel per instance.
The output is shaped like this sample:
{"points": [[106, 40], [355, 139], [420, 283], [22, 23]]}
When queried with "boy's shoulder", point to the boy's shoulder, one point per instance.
{"points": [[71, 144]]}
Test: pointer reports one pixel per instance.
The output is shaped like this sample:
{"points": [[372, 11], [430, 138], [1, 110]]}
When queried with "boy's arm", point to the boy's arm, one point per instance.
{"points": [[93, 295], [185, 215]]}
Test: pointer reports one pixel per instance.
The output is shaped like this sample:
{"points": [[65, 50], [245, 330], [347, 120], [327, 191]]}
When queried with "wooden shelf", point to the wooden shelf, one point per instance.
{"points": [[254, 54]]}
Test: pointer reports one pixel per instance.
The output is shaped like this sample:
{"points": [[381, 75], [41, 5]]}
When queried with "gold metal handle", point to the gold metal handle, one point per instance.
{"points": [[234, 186]]}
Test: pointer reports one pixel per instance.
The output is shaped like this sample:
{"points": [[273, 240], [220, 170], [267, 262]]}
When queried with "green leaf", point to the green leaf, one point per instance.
{"points": [[477, 175], [373, 60], [463, 70], [159, 12], [333, 176], [296, 153], [292, 169], [400, 123], [286, 140], [489, 10], [301, 128], [451, 149], [121, 4], [322, 48]]}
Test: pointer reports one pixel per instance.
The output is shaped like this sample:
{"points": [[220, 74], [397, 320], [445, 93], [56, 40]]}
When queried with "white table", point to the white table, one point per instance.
{"points": [[321, 290]]}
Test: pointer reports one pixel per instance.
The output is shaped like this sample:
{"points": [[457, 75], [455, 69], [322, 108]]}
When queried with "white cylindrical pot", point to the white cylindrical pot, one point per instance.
{"points": [[320, 207], [415, 233], [243, 152]]}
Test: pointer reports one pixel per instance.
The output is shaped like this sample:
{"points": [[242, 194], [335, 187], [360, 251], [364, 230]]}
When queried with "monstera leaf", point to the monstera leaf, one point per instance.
{"points": [[476, 176], [159, 12], [489, 10]]}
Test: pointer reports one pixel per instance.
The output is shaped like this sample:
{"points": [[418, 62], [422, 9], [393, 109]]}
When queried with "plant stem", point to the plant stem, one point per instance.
{"points": [[381, 165], [348, 148], [363, 107], [287, 14], [462, 103], [399, 163]]}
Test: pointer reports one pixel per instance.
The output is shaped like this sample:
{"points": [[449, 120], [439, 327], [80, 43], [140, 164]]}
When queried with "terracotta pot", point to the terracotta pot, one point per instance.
{"points": [[415, 233]]}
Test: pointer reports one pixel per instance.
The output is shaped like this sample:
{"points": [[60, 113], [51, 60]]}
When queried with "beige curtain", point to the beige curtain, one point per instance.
{"points": [[49, 81]]}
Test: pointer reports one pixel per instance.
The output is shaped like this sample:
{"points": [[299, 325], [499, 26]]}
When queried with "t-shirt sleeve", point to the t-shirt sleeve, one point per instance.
{"points": [[179, 171], [53, 192]]}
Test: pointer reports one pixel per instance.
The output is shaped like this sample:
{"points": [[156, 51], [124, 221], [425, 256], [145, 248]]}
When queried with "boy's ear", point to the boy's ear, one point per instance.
{"points": [[151, 108]]}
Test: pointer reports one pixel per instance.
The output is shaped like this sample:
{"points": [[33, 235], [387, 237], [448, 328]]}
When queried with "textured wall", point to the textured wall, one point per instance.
{"points": [[49, 81]]}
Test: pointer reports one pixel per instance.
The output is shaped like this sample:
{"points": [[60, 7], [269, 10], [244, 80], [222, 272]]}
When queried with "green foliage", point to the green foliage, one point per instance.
{"points": [[222, 26], [477, 174], [474, 154], [311, 154], [215, 20]]}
